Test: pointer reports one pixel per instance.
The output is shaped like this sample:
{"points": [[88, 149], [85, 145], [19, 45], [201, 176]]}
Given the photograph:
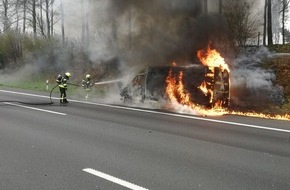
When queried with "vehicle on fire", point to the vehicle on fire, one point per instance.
{"points": [[151, 83]]}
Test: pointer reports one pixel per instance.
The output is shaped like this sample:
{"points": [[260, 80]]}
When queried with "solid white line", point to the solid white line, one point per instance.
{"points": [[189, 117], [163, 113], [22, 93], [32, 108], [113, 179]]}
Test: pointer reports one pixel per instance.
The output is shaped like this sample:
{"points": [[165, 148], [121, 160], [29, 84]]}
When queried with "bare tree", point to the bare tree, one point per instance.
{"points": [[40, 19], [17, 8], [62, 21], [287, 36], [269, 19], [276, 22], [85, 5], [24, 4], [242, 24], [43, 16], [265, 23], [5, 14], [8, 13], [34, 17], [130, 27], [47, 11], [285, 4], [83, 21], [89, 4], [52, 14], [46, 8]]}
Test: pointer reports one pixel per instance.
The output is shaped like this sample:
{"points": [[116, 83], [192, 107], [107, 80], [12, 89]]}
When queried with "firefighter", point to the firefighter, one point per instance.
{"points": [[87, 84], [62, 84]]}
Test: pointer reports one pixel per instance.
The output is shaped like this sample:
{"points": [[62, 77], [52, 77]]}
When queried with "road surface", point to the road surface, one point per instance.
{"points": [[92, 146]]}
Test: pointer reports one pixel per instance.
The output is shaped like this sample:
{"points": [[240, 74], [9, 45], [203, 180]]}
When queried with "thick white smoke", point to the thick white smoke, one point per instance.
{"points": [[252, 83]]}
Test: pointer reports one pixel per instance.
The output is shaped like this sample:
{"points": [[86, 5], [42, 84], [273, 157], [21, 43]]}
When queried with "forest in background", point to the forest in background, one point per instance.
{"points": [[113, 38], [127, 32]]}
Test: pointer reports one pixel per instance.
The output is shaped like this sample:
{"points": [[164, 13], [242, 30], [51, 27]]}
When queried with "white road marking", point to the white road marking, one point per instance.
{"points": [[187, 116], [163, 113], [22, 93], [113, 179], [32, 108]]}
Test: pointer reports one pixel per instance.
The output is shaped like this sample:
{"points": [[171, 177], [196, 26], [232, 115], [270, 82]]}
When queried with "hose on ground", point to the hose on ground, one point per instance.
{"points": [[38, 103]]}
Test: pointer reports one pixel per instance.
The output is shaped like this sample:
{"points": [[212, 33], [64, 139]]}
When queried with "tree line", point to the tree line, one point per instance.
{"points": [[29, 27], [37, 16]]}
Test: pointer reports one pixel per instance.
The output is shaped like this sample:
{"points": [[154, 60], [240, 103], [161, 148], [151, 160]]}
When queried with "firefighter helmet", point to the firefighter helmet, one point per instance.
{"points": [[88, 76], [67, 74]]}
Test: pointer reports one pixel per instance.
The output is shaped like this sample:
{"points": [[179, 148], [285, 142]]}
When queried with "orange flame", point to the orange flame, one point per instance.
{"points": [[212, 58], [203, 88], [261, 115], [175, 89], [181, 101], [170, 88]]}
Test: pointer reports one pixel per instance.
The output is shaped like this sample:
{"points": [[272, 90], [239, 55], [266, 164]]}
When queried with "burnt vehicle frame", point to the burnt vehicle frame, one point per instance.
{"points": [[150, 84]]}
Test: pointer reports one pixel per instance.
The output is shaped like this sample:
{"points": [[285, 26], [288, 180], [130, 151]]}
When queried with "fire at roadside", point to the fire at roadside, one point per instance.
{"points": [[204, 89]]}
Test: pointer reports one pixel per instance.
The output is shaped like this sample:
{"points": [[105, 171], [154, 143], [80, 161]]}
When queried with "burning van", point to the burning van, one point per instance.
{"points": [[186, 85]]}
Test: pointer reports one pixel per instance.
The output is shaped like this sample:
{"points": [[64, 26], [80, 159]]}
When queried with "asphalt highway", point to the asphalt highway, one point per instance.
{"points": [[93, 146]]}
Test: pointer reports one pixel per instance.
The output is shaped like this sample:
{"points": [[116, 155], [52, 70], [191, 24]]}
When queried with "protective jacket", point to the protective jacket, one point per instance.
{"points": [[62, 81], [62, 84], [87, 84]]}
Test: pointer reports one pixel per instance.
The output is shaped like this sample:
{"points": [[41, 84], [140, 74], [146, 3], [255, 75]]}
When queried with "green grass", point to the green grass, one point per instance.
{"points": [[37, 83], [31, 85], [281, 67]]}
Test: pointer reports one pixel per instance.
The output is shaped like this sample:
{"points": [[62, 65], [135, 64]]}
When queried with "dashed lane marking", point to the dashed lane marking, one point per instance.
{"points": [[22, 93], [32, 108], [113, 179]]}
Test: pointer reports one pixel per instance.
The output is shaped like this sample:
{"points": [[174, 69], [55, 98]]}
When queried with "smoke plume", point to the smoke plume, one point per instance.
{"points": [[142, 33], [164, 31], [252, 82]]}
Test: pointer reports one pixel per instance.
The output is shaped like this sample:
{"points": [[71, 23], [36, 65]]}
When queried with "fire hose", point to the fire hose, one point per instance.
{"points": [[51, 102], [28, 103], [37, 103], [98, 83], [50, 94]]}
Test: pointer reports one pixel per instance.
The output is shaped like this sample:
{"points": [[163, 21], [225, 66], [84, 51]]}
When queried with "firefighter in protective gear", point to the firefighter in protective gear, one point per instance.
{"points": [[87, 84], [62, 84]]}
